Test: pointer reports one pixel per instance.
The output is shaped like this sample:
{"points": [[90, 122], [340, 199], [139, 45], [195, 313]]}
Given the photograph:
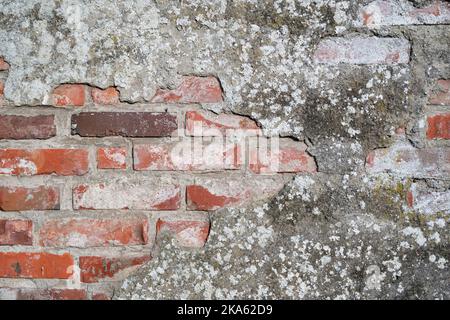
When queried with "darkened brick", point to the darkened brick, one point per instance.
{"points": [[23, 127], [126, 124]]}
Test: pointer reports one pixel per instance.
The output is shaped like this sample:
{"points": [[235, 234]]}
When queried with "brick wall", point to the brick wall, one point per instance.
{"points": [[88, 182]]}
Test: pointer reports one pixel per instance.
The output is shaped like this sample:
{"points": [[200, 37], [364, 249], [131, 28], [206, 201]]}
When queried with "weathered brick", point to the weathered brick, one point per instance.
{"points": [[404, 160], [207, 124], [363, 50], [440, 95], [101, 296], [215, 193], [394, 13], [192, 90], [36, 265], [424, 201], [438, 126], [279, 155], [93, 232], [32, 198], [111, 158], [32, 127], [187, 233], [16, 232], [3, 65], [51, 294], [69, 95], [151, 194], [188, 154], [126, 124], [107, 96], [94, 269], [64, 162]]}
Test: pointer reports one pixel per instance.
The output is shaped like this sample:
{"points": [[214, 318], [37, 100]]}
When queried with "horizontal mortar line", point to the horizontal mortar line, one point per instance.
{"points": [[42, 215], [24, 283], [102, 176], [90, 106], [80, 251]]}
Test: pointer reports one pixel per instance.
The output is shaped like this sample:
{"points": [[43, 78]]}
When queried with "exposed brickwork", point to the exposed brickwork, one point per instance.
{"points": [[111, 158], [192, 234], [192, 90], [121, 176], [126, 124], [203, 123], [108, 96], [93, 232], [33, 198], [162, 155], [35, 265], [146, 195], [21, 127], [438, 126], [64, 162], [94, 269], [111, 211], [287, 156], [16, 232], [69, 95], [126, 131], [211, 194]]}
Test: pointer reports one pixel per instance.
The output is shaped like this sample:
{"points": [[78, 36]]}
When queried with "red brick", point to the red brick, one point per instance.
{"points": [[16, 232], [404, 160], [207, 124], [192, 234], [215, 193], [94, 269], [192, 90], [35, 265], [111, 158], [3, 65], [32, 127], [438, 126], [33, 198], [441, 93], [148, 194], [69, 95], [93, 232], [280, 155], [52, 294], [187, 155], [107, 96], [101, 296], [381, 13], [64, 162], [362, 50], [126, 124]]}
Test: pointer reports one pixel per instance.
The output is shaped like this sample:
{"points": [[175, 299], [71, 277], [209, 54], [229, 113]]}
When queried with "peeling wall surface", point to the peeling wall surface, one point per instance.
{"points": [[91, 193]]}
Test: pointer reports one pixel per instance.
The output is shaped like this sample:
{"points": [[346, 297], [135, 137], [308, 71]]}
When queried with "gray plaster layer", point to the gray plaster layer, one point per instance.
{"points": [[323, 237]]}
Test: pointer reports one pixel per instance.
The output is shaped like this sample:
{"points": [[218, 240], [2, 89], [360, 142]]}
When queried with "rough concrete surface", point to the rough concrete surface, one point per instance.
{"points": [[345, 232]]}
